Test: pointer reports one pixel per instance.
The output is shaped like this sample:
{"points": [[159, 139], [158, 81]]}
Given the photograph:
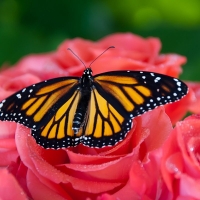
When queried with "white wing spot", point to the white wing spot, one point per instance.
{"points": [[152, 74], [179, 89], [19, 96], [178, 83], [157, 79]]}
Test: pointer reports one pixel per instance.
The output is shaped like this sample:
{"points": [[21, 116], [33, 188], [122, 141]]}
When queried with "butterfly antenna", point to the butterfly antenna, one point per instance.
{"points": [[77, 57], [110, 47]]}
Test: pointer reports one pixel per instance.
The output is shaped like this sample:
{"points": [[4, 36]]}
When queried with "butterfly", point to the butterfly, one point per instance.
{"points": [[96, 111]]}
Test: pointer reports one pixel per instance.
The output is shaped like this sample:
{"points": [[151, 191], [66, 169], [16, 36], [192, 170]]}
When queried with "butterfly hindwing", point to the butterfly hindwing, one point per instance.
{"points": [[105, 124], [57, 132]]}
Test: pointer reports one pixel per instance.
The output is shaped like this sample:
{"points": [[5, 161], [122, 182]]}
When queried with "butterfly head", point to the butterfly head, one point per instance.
{"points": [[87, 72], [87, 79]]}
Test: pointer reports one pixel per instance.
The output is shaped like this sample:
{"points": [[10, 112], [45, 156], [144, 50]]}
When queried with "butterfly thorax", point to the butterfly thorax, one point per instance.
{"points": [[86, 82]]}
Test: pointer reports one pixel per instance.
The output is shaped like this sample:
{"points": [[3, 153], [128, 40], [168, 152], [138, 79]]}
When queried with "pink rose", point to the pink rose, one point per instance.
{"points": [[82, 172], [180, 162], [145, 181], [195, 100]]}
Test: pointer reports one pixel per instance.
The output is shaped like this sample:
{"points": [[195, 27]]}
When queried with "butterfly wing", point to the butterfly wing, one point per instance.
{"points": [[105, 125], [47, 108], [57, 132], [120, 96]]}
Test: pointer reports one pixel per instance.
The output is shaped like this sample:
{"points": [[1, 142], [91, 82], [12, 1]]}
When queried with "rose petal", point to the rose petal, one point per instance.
{"points": [[125, 193], [189, 187], [194, 150], [134, 43], [194, 105], [102, 172], [10, 189], [158, 133], [178, 109], [7, 157], [39, 191]]}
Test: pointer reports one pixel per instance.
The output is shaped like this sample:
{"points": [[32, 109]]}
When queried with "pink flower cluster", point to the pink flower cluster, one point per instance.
{"points": [[155, 161]]}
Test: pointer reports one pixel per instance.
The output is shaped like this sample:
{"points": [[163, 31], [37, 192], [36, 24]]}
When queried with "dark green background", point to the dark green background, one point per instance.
{"points": [[34, 26]]}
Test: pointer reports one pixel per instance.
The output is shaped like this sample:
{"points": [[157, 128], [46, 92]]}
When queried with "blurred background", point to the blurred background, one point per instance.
{"points": [[40, 26]]}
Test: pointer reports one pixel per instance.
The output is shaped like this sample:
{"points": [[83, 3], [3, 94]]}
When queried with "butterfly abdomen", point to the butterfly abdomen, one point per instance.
{"points": [[78, 120], [81, 113]]}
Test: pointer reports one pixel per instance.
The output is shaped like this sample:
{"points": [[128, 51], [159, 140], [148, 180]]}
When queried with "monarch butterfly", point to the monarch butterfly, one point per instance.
{"points": [[96, 111]]}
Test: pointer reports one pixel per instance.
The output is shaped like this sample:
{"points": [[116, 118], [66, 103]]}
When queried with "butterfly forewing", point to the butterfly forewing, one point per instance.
{"points": [[138, 92], [35, 105]]}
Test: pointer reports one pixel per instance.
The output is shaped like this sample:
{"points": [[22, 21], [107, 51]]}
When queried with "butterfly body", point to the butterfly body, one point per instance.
{"points": [[86, 84], [96, 111]]}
